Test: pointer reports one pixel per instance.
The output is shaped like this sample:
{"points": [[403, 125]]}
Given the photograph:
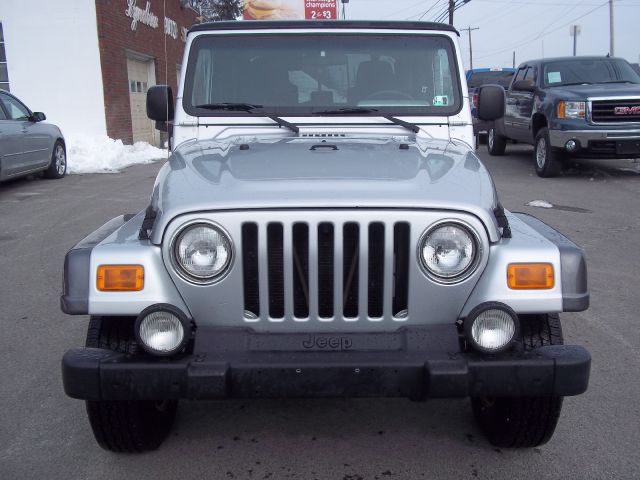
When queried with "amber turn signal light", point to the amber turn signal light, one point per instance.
{"points": [[530, 276], [120, 278]]}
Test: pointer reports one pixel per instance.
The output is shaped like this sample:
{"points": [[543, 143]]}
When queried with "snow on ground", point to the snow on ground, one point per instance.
{"points": [[539, 204], [93, 154]]}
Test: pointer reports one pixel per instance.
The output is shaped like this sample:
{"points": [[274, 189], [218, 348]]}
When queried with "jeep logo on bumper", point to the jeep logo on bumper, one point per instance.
{"points": [[327, 343]]}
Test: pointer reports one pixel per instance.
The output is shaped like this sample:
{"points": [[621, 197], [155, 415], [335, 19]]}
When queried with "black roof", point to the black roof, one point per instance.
{"points": [[569, 59], [317, 24]]}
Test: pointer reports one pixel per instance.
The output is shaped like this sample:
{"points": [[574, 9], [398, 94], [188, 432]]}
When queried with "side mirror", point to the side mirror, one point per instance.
{"points": [[160, 103], [524, 85], [38, 117], [490, 102]]}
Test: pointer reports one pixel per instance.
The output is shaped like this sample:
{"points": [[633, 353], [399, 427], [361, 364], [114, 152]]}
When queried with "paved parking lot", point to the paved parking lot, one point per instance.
{"points": [[44, 435]]}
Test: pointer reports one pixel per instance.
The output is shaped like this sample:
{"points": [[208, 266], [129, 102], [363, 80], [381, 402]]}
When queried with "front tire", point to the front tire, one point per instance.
{"points": [[58, 166], [548, 159], [523, 422], [496, 143], [125, 426]]}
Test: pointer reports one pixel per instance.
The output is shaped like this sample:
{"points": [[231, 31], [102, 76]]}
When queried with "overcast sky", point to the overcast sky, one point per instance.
{"points": [[532, 28]]}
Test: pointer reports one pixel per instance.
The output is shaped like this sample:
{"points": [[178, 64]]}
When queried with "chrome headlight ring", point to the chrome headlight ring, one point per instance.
{"points": [[465, 272], [224, 247]]}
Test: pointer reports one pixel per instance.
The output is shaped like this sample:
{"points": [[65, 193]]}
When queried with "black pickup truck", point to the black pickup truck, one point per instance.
{"points": [[573, 107]]}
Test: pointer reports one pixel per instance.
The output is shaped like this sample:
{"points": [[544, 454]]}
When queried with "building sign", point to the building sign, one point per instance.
{"points": [[147, 17], [290, 9], [170, 28], [137, 14]]}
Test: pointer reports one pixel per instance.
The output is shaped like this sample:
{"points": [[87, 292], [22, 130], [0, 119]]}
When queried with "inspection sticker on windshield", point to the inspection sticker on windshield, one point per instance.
{"points": [[554, 77], [440, 101]]}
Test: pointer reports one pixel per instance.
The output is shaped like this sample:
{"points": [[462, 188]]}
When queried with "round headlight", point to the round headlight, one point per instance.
{"points": [[491, 327], [448, 251], [161, 330], [202, 252]]}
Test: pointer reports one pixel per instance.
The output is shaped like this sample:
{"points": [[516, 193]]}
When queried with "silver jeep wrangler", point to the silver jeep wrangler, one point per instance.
{"points": [[323, 228]]}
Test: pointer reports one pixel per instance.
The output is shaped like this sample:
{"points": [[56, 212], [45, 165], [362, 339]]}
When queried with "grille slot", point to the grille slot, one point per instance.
{"points": [[350, 269], [604, 111], [275, 252], [401, 268], [376, 269], [250, 268], [300, 270], [325, 271]]}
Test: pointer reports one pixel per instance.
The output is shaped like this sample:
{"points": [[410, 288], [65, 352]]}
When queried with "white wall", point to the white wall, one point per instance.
{"points": [[54, 61]]}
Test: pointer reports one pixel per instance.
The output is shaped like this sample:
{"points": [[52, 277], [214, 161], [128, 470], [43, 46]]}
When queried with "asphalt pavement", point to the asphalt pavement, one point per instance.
{"points": [[45, 435]]}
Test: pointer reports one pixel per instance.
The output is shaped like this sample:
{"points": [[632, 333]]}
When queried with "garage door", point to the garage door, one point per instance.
{"points": [[139, 81]]}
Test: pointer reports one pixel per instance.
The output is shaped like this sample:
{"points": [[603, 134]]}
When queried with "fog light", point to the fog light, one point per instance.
{"points": [[162, 330], [571, 146], [491, 327]]}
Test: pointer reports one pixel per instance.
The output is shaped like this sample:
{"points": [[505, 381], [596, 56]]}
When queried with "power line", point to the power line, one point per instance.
{"points": [[429, 9], [543, 33]]}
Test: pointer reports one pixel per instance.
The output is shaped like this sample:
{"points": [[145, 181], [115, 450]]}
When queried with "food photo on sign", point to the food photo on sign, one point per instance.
{"points": [[290, 10]]}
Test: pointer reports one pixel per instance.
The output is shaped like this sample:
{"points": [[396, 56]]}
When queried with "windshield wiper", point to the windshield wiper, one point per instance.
{"points": [[284, 123], [569, 84], [232, 107], [249, 108], [408, 125], [346, 111]]}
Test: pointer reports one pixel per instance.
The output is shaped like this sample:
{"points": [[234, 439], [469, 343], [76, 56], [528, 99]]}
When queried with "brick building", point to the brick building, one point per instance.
{"points": [[88, 63]]}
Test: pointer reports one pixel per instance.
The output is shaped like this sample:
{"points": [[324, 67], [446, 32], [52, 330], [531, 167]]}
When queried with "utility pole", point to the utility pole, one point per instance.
{"points": [[453, 7], [574, 32], [513, 63], [611, 30], [469, 30]]}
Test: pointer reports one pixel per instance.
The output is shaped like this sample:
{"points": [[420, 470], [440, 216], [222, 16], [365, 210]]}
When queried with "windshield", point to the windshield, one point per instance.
{"points": [[483, 78], [599, 70], [298, 75]]}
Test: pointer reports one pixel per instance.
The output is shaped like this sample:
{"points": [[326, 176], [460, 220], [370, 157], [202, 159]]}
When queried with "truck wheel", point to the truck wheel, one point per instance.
{"points": [[58, 166], [523, 422], [125, 426], [496, 143], [548, 159]]}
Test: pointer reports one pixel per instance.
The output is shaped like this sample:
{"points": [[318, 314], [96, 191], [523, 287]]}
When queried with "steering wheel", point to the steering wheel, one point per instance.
{"points": [[389, 94]]}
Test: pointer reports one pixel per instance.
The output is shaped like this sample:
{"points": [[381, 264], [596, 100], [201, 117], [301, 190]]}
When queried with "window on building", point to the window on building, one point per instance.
{"points": [[4, 72]]}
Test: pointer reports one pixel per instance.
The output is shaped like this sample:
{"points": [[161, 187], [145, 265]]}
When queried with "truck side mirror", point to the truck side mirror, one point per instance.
{"points": [[160, 103], [524, 86], [38, 117], [490, 102]]}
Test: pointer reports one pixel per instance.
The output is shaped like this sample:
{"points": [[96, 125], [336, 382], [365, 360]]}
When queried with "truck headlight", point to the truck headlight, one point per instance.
{"points": [[491, 327], [571, 109], [449, 252], [202, 252], [162, 330]]}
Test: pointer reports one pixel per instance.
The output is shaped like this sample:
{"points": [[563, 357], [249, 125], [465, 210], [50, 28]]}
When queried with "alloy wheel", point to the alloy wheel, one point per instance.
{"points": [[61, 160]]}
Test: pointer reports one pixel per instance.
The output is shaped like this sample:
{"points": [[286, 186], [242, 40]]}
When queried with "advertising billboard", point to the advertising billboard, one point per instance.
{"points": [[290, 9]]}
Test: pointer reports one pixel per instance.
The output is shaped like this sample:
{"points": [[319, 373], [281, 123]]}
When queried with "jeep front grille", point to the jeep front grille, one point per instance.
{"points": [[615, 110], [326, 271]]}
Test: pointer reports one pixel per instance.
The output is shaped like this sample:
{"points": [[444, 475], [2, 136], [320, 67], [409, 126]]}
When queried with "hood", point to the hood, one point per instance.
{"points": [[582, 92], [299, 173]]}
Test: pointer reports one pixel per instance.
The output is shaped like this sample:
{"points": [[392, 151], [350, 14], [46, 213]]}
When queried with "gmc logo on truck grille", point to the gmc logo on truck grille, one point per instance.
{"points": [[627, 110]]}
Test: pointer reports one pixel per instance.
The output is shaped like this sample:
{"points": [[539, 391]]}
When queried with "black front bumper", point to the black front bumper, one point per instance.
{"points": [[408, 363]]}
